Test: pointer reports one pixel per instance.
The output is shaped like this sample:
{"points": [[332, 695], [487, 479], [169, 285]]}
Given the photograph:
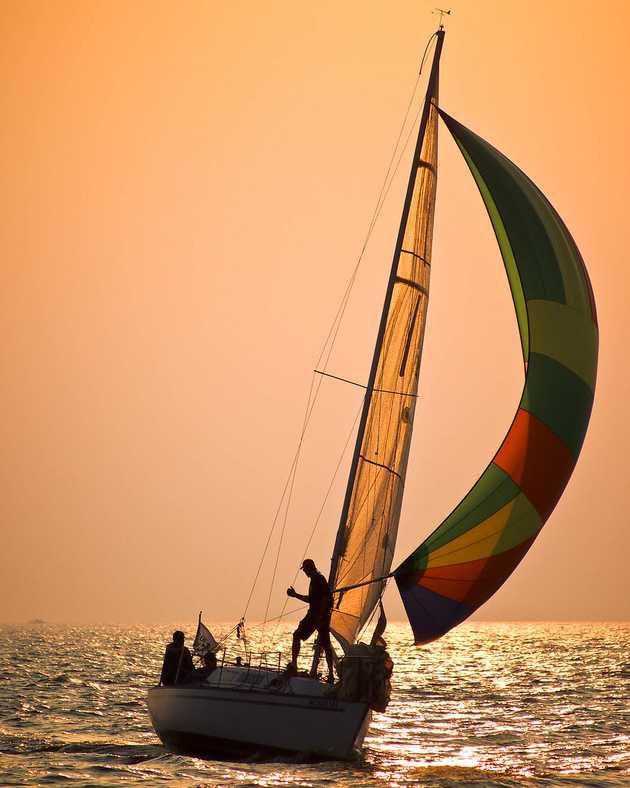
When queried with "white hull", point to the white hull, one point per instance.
{"points": [[232, 716]]}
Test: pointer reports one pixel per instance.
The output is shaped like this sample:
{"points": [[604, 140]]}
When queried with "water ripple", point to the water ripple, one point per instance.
{"points": [[490, 704]]}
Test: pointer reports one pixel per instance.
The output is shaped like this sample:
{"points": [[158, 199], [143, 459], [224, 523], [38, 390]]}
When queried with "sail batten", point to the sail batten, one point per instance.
{"points": [[369, 522], [471, 554]]}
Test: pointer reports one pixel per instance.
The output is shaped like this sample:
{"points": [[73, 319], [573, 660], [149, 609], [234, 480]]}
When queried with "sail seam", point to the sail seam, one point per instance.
{"points": [[380, 465], [415, 254], [403, 281]]}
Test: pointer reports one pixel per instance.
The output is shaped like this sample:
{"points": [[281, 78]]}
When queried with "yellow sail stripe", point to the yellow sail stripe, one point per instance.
{"points": [[509, 526]]}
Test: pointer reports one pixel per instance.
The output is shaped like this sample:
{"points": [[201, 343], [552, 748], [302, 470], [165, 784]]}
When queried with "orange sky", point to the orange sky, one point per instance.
{"points": [[186, 187]]}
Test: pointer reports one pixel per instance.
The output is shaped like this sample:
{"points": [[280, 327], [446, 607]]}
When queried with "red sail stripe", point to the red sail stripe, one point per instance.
{"points": [[537, 460], [473, 582]]}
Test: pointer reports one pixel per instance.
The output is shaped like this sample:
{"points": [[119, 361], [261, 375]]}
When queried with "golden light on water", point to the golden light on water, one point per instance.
{"points": [[506, 704]]}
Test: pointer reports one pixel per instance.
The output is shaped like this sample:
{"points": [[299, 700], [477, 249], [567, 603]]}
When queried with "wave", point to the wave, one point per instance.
{"points": [[127, 753]]}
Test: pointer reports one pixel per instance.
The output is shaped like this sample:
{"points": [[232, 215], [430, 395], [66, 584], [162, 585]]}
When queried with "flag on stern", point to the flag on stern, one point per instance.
{"points": [[205, 641]]}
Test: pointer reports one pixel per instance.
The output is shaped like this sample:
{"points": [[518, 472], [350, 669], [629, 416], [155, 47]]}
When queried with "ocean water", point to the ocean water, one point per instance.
{"points": [[489, 704]]}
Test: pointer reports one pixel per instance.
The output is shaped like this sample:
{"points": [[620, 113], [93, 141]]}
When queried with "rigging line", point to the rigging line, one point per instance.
{"points": [[273, 525], [383, 193], [280, 541], [336, 324], [310, 405], [402, 153], [365, 583], [288, 613], [334, 330], [361, 386], [382, 196], [306, 421], [291, 479], [385, 189], [362, 630], [284, 492], [361, 581], [426, 50], [321, 509], [225, 637], [312, 398]]}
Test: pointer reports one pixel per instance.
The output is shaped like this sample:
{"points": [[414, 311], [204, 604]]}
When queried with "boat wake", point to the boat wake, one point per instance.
{"points": [[123, 752]]}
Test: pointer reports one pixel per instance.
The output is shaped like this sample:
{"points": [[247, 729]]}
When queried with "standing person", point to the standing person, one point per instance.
{"points": [[177, 665], [320, 604]]}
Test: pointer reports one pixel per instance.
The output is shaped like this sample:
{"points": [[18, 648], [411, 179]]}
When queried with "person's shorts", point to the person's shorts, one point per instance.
{"points": [[310, 624]]}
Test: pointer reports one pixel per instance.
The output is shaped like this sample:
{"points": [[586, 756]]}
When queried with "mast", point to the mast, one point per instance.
{"points": [[420, 292]]}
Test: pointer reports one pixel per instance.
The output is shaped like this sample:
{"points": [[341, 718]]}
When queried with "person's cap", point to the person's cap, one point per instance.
{"points": [[308, 563]]}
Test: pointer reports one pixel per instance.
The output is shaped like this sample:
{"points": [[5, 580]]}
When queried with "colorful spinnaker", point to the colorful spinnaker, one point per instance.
{"points": [[469, 556]]}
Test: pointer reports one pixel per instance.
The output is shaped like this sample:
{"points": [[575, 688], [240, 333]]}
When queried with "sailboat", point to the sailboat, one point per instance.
{"points": [[461, 564]]}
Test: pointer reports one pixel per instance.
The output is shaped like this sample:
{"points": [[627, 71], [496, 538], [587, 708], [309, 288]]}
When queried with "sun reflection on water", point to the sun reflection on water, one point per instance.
{"points": [[510, 701], [489, 704]]}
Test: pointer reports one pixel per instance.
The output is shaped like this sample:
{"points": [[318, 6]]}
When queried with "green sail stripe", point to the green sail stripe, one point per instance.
{"points": [[566, 335], [575, 286], [492, 491], [506, 252], [524, 523], [548, 389], [483, 541], [566, 255], [539, 271]]}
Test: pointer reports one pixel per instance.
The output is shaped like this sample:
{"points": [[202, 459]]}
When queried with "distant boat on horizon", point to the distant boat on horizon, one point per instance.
{"points": [[256, 706]]}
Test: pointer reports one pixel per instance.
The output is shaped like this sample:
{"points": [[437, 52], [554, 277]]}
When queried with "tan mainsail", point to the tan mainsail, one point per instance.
{"points": [[367, 533]]}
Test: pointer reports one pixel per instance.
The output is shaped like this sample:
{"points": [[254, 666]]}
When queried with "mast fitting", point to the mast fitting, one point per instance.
{"points": [[442, 12]]}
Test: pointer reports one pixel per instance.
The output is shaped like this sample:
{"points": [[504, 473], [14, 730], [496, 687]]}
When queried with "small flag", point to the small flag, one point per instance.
{"points": [[205, 642]]}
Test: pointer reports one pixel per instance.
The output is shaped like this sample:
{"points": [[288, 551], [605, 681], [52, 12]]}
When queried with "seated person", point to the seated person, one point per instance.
{"points": [[209, 665], [177, 665]]}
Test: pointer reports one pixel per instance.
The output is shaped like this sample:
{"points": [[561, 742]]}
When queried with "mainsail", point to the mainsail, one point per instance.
{"points": [[369, 522], [468, 557]]}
